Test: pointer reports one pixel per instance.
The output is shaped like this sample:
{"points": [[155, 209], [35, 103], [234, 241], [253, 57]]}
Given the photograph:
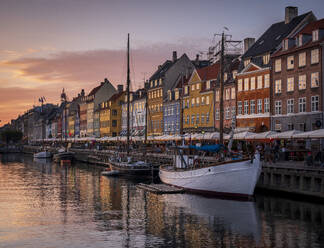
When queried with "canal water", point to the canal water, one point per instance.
{"points": [[46, 205]]}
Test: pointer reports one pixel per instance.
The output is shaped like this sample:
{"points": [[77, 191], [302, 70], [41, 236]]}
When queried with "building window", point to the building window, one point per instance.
{"points": [[300, 40], [302, 126], [233, 93], [315, 35], [234, 73], [290, 62], [233, 111], [285, 44], [302, 82], [207, 118], [246, 107], [208, 85], [278, 108], [114, 123], [266, 59], [239, 107], [202, 118], [217, 95], [278, 86], [188, 119], [186, 90], [290, 106], [252, 83], [193, 87], [278, 65], [290, 84], [315, 79], [302, 104], [197, 119], [315, 56], [266, 105], [290, 126], [225, 77], [192, 102], [217, 114], [227, 93], [302, 59], [193, 119], [176, 95], [259, 106], [227, 113], [207, 100], [246, 84], [197, 101], [246, 62], [266, 80], [252, 107], [202, 100], [239, 85], [197, 86], [315, 103], [259, 84]]}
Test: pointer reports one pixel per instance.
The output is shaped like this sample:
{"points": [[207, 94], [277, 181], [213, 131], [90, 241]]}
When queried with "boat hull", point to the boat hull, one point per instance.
{"points": [[236, 179], [63, 156], [125, 169], [44, 154]]}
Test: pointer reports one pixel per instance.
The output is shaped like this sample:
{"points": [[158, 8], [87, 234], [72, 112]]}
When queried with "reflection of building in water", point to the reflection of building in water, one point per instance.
{"points": [[110, 194], [290, 223]]}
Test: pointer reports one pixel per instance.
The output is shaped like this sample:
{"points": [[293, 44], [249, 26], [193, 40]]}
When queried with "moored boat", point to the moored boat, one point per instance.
{"points": [[63, 156], [232, 178], [43, 154]]}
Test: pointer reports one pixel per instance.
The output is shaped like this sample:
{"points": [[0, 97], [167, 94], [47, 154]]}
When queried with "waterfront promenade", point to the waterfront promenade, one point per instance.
{"points": [[292, 177]]}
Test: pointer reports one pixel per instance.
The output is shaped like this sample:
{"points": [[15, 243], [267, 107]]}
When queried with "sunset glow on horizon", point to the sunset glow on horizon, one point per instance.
{"points": [[50, 45]]}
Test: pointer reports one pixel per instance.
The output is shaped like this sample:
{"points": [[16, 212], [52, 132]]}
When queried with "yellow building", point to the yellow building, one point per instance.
{"points": [[71, 124], [198, 100], [155, 110], [111, 115]]}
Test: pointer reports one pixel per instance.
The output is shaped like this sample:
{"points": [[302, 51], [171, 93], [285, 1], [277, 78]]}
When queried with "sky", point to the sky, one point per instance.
{"points": [[48, 45]]}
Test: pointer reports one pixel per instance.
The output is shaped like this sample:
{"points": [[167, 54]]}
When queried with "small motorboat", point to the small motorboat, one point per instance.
{"points": [[63, 156], [110, 172], [43, 154]]}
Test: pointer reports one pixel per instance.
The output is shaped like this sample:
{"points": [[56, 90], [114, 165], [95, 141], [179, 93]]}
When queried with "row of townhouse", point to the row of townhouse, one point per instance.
{"points": [[276, 84]]}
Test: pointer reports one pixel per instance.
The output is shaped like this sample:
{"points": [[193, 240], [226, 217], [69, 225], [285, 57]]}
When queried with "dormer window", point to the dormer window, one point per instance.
{"points": [[315, 35], [225, 76], [234, 73], [285, 44], [300, 40], [186, 90], [246, 62], [170, 95], [266, 59], [208, 85], [160, 81], [176, 94]]}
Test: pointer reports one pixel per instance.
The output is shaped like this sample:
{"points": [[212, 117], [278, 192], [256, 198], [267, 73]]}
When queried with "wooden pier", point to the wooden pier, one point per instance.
{"points": [[160, 188]]}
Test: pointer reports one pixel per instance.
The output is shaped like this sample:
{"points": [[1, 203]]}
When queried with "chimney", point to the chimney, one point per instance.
{"points": [[159, 67], [146, 85], [174, 56], [82, 92], [120, 88], [290, 13], [197, 57], [248, 42], [106, 80]]}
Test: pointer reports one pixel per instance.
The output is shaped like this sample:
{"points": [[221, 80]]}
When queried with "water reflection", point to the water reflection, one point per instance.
{"points": [[47, 205]]}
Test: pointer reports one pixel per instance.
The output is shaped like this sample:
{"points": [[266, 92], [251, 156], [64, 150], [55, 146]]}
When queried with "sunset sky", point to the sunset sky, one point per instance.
{"points": [[46, 45]]}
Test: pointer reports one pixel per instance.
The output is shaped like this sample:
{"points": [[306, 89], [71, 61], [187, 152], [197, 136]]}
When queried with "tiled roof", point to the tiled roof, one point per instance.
{"points": [[273, 36], [116, 96], [209, 72]]}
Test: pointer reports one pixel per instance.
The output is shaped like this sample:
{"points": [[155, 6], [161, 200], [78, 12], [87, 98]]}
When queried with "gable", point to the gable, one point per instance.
{"points": [[194, 77], [250, 67]]}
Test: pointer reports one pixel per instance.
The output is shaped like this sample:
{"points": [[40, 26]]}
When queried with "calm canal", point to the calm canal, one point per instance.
{"points": [[46, 205]]}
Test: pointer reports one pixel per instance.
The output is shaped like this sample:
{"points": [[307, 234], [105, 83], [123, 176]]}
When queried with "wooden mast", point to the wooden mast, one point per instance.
{"points": [[221, 104], [127, 92]]}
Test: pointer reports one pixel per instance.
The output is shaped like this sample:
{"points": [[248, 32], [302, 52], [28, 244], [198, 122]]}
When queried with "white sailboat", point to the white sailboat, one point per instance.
{"points": [[233, 178]]}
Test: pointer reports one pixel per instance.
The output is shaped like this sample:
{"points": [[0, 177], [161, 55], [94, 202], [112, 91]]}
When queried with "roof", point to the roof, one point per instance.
{"points": [[116, 96], [209, 72], [162, 70], [308, 29], [94, 90], [273, 36]]}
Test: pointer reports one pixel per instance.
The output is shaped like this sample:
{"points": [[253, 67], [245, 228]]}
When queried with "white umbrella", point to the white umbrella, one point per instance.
{"points": [[285, 135], [316, 134], [264, 135], [243, 135]]}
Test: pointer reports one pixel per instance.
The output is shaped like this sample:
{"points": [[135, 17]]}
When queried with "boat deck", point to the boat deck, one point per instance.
{"points": [[160, 188]]}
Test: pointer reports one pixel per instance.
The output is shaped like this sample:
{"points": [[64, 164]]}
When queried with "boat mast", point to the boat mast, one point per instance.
{"points": [[221, 104], [181, 106], [127, 92]]}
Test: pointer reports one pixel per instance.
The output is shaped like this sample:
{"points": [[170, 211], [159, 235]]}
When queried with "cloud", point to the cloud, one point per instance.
{"points": [[32, 77]]}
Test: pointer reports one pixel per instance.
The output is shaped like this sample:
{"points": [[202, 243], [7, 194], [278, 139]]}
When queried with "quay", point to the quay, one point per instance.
{"points": [[292, 177]]}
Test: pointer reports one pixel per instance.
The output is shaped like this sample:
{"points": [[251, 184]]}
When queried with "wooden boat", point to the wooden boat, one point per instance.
{"points": [[63, 156], [43, 154]]}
